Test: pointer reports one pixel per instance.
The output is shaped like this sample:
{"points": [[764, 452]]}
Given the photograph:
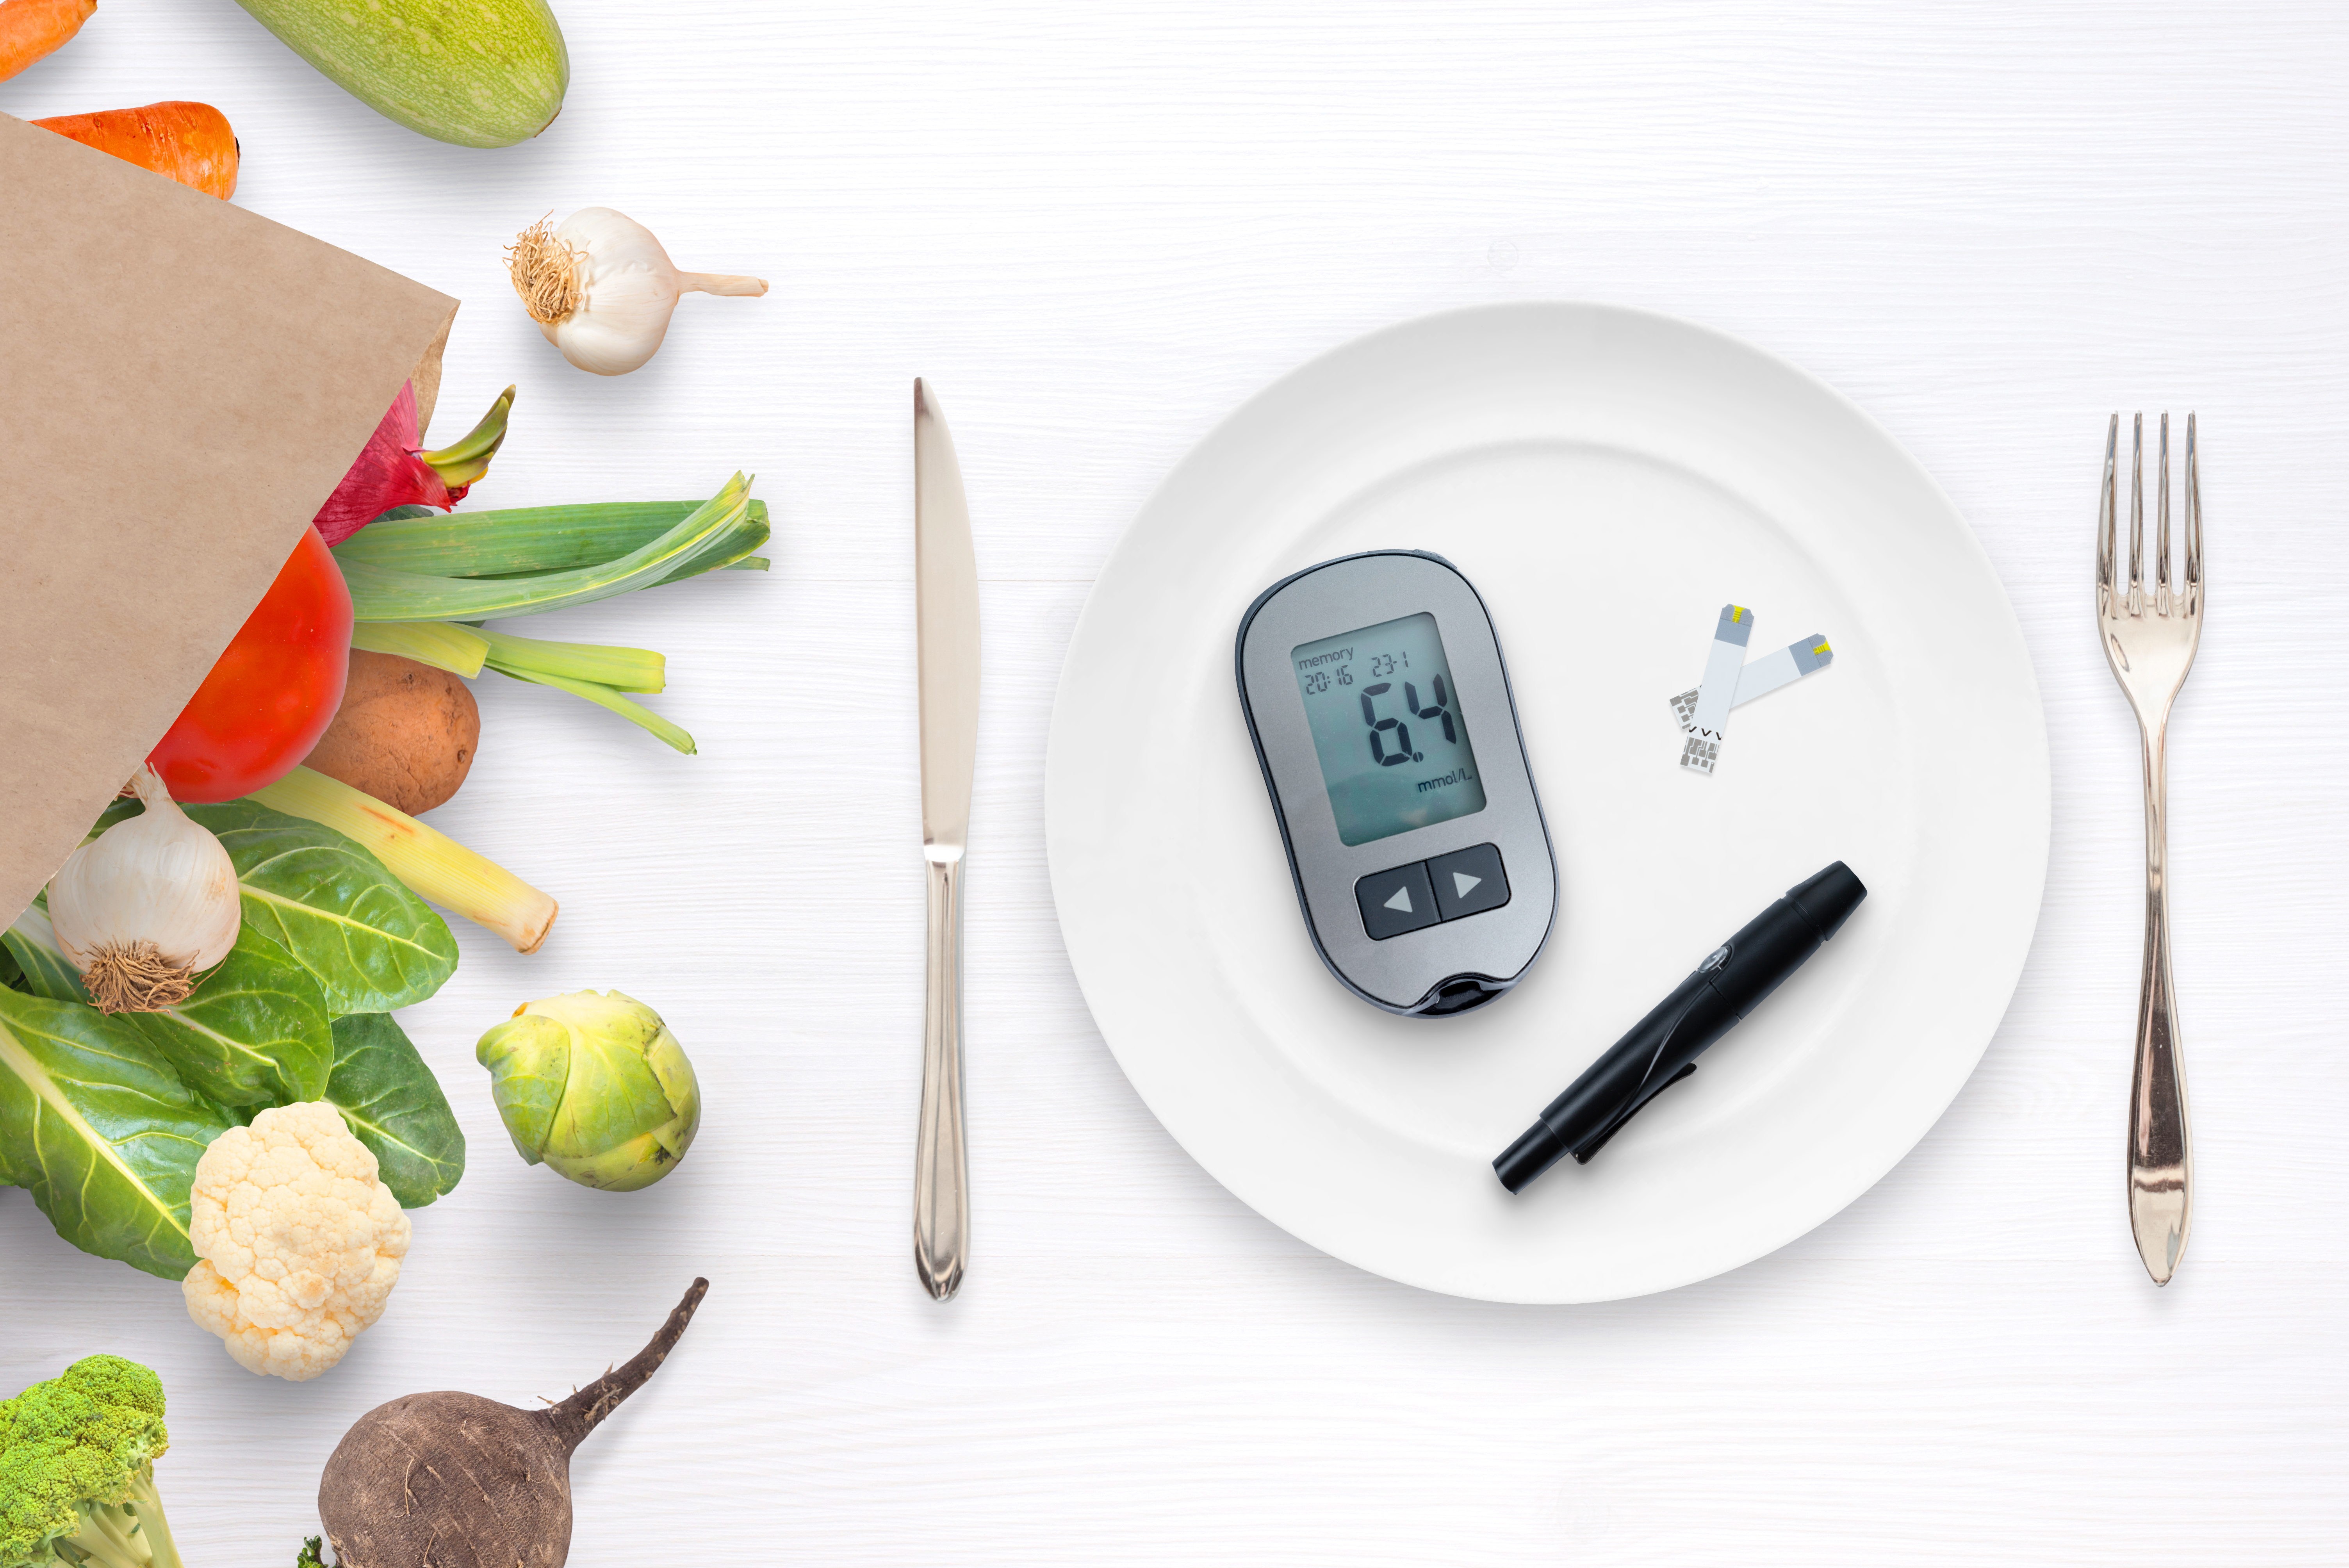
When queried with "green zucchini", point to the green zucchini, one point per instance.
{"points": [[480, 73]]}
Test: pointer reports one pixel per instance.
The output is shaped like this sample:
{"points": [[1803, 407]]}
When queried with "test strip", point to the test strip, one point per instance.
{"points": [[1765, 675], [1709, 722]]}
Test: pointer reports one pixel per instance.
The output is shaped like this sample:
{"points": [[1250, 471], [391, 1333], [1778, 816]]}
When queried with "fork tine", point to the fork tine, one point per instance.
{"points": [[2137, 514], [2105, 520], [2193, 524], [2161, 544]]}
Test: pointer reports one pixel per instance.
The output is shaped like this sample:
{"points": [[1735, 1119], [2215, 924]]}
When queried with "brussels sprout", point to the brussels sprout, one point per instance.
{"points": [[595, 1087]]}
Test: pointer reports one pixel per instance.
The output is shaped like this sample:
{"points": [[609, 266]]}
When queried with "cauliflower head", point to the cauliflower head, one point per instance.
{"points": [[299, 1244]]}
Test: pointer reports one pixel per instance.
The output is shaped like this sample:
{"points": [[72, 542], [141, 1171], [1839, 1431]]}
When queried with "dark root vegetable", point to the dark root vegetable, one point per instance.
{"points": [[455, 1480]]}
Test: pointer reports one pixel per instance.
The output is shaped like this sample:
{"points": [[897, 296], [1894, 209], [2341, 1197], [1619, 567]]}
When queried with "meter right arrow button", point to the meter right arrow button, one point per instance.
{"points": [[1469, 881]]}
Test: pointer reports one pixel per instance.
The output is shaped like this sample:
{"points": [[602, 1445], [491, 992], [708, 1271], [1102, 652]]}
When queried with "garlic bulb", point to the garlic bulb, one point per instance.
{"points": [[601, 288], [144, 906]]}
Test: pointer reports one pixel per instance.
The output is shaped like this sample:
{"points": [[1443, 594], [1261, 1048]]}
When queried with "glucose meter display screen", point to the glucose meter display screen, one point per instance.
{"points": [[1386, 727]]}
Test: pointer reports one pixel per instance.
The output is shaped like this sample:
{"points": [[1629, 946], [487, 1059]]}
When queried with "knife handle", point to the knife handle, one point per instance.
{"points": [[941, 1178]]}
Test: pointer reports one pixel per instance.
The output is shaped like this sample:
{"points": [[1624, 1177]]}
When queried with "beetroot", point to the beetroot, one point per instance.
{"points": [[455, 1480]]}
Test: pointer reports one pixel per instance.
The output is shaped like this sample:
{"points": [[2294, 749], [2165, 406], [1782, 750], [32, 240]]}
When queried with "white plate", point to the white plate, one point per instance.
{"points": [[1607, 479]]}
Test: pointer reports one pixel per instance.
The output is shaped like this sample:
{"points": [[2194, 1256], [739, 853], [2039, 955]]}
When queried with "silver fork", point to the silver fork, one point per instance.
{"points": [[2149, 639]]}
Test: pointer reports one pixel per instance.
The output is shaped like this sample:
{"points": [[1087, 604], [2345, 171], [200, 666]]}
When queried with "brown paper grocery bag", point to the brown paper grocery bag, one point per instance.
{"points": [[182, 384]]}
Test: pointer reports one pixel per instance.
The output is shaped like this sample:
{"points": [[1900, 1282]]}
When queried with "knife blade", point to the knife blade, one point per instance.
{"points": [[945, 614]]}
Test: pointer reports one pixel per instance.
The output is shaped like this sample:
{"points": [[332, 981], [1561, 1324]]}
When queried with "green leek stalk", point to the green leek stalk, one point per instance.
{"points": [[606, 696], [599, 673], [464, 650], [622, 669], [457, 649], [433, 865], [717, 534], [522, 540]]}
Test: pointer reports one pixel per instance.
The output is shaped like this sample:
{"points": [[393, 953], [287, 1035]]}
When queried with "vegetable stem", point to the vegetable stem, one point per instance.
{"points": [[718, 532], [622, 669], [733, 283], [579, 1415], [435, 866], [636, 713], [457, 649], [147, 1506], [467, 459], [512, 542]]}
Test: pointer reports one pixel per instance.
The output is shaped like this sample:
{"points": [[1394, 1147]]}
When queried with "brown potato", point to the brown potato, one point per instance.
{"points": [[406, 732]]}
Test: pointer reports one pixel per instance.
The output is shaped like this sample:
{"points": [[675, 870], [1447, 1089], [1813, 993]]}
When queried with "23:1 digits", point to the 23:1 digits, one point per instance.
{"points": [[1386, 663]]}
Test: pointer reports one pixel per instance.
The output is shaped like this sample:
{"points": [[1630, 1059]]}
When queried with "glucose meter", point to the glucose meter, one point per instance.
{"points": [[1381, 711]]}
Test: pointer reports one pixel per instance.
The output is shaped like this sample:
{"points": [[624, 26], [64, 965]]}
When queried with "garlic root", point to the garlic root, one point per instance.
{"points": [[136, 979]]}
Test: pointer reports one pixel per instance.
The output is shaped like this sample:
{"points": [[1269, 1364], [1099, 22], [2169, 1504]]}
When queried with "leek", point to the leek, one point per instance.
{"points": [[457, 649], [522, 540], [622, 669], [433, 865], [717, 533], [633, 712], [465, 650], [599, 672]]}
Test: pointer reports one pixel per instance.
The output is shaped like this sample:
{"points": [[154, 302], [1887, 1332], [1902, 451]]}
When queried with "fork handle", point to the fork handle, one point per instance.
{"points": [[2161, 1159]]}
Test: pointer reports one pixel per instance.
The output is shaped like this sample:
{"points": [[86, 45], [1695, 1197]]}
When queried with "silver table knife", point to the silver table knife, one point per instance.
{"points": [[945, 610]]}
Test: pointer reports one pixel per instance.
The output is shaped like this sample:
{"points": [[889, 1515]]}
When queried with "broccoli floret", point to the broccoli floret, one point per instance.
{"points": [[77, 1471]]}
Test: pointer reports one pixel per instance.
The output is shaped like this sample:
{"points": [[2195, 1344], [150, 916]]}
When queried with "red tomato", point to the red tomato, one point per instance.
{"points": [[273, 693]]}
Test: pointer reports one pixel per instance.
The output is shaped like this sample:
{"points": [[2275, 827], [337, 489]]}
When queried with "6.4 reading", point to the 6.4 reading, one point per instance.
{"points": [[1392, 746]]}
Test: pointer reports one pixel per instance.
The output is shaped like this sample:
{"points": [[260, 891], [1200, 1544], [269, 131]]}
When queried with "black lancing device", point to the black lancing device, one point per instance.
{"points": [[1663, 1048]]}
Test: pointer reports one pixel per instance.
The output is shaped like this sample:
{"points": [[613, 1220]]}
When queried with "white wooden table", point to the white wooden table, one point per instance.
{"points": [[1096, 228]]}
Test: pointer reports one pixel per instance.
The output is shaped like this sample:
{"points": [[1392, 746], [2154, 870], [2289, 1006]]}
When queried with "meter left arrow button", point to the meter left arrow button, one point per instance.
{"points": [[1395, 901]]}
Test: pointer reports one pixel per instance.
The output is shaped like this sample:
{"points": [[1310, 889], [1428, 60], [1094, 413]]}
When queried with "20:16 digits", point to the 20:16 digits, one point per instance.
{"points": [[1381, 665]]}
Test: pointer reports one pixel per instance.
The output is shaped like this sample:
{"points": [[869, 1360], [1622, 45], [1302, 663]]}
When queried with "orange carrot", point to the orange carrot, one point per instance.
{"points": [[31, 28], [190, 142]]}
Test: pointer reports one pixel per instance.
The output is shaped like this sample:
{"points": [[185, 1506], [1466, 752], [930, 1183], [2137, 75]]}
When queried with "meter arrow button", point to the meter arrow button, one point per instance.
{"points": [[1395, 901], [1469, 881]]}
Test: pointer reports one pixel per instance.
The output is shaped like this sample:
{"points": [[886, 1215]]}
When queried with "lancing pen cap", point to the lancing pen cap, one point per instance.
{"points": [[1663, 1048]]}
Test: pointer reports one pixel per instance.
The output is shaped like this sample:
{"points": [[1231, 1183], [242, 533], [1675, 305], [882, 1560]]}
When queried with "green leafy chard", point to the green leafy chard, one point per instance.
{"points": [[42, 968], [104, 1135], [394, 1105], [372, 945], [252, 1033]]}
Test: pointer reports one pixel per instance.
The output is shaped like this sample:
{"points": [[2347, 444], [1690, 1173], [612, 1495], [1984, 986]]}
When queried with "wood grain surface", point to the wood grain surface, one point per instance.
{"points": [[1096, 229]]}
